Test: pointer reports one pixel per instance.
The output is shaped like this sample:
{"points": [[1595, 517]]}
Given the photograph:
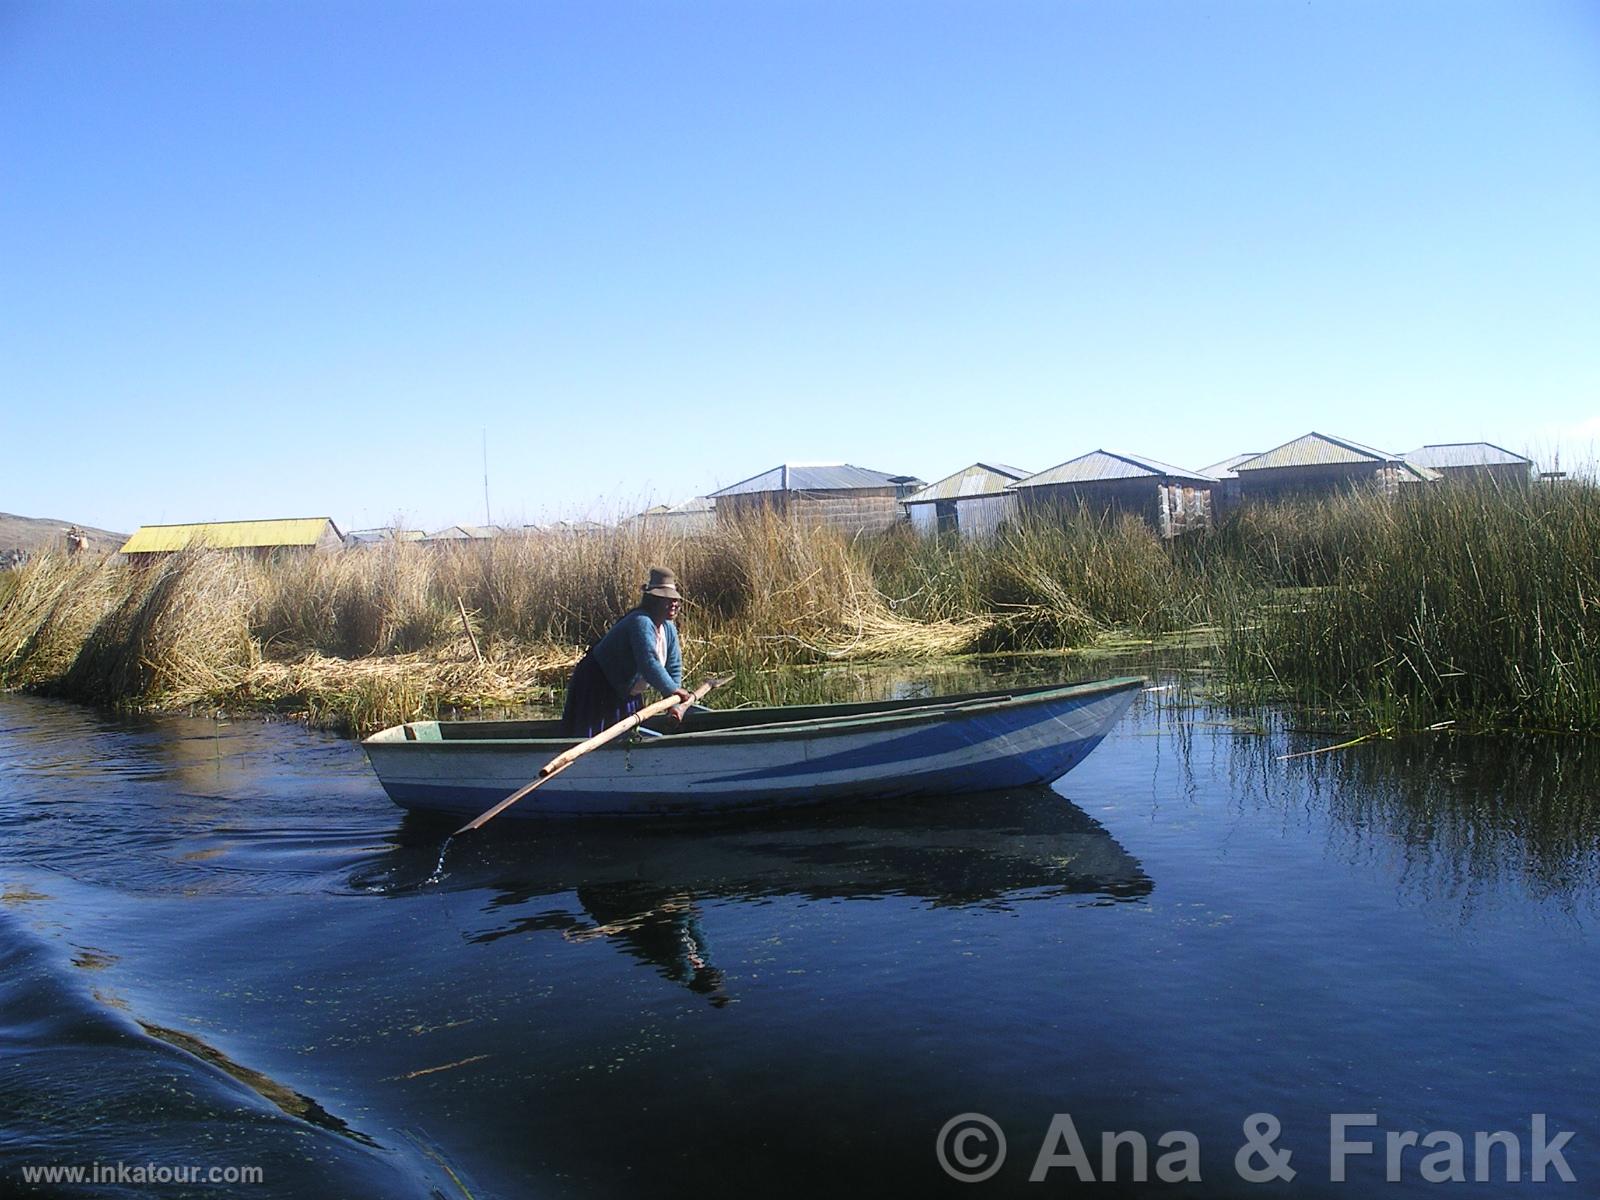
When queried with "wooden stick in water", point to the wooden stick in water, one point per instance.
{"points": [[567, 757], [467, 625]]}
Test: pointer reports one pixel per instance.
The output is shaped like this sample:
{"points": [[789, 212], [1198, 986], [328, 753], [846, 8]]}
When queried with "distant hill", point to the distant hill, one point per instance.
{"points": [[38, 534]]}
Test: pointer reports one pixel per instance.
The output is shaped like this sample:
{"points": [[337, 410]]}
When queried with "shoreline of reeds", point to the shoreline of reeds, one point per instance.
{"points": [[1471, 604]]}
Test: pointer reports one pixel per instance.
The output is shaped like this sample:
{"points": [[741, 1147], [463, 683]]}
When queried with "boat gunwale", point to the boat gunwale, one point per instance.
{"points": [[935, 710]]}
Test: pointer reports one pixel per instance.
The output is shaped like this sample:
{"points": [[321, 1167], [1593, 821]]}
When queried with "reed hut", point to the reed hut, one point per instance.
{"points": [[1480, 461], [1170, 499], [1318, 464], [973, 502], [261, 539], [846, 497]]}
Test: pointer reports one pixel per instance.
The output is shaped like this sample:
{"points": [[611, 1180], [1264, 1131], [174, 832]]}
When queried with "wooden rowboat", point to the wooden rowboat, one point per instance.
{"points": [[753, 758]]}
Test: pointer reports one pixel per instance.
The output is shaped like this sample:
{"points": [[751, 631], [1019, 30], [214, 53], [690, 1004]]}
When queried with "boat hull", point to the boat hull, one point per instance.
{"points": [[969, 744]]}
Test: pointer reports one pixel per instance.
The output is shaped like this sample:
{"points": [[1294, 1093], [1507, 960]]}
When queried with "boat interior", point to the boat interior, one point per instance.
{"points": [[711, 720]]}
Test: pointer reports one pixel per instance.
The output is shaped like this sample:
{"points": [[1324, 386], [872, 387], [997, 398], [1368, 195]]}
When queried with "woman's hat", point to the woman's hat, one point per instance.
{"points": [[662, 583]]}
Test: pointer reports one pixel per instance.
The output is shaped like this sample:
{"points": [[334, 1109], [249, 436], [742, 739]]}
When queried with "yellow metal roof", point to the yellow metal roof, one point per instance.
{"points": [[229, 535]]}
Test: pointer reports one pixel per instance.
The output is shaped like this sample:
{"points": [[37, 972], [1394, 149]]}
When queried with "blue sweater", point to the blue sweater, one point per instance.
{"points": [[628, 653]]}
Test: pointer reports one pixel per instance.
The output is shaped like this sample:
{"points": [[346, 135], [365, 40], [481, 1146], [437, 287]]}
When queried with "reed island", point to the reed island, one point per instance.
{"points": [[1472, 604]]}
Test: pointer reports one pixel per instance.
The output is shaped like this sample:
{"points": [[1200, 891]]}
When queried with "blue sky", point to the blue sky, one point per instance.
{"points": [[284, 259]]}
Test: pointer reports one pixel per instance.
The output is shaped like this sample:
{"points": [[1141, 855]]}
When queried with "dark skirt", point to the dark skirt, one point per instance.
{"points": [[592, 703]]}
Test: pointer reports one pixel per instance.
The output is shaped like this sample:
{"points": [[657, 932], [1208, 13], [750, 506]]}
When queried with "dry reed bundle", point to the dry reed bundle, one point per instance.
{"points": [[362, 695], [380, 601], [774, 591], [545, 587], [880, 634], [179, 635], [762, 591], [54, 604]]}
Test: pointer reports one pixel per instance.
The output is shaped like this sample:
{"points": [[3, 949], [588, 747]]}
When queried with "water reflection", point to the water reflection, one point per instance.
{"points": [[1465, 818], [658, 927], [642, 889]]}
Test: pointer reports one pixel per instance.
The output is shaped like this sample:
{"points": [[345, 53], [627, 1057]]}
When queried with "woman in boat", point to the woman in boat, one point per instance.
{"points": [[639, 652]]}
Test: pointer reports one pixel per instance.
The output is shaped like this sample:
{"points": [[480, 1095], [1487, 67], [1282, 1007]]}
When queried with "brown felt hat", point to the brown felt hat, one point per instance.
{"points": [[662, 583]]}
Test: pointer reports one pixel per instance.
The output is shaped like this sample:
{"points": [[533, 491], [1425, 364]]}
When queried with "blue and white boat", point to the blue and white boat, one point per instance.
{"points": [[756, 758]]}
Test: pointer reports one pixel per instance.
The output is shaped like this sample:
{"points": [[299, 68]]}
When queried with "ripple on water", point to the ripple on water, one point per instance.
{"points": [[86, 1082]]}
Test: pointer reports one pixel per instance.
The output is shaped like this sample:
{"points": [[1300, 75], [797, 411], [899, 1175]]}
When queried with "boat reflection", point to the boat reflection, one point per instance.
{"points": [[642, 888]]}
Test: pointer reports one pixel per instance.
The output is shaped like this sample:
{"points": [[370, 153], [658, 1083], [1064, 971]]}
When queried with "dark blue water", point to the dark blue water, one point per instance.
{"points": [[217, 952]]}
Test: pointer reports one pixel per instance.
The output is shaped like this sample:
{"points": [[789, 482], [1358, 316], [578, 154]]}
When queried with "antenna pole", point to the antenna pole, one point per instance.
{"points": [[486, 520]]}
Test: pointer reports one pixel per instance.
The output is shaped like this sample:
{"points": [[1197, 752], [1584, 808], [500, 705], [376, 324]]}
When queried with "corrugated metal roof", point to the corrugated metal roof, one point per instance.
{"points": [[1315, 450], [1465, 454], [1100, 465], [1225, 468], [689, 508], [813, 477], [229, 535], [1417, 473], [980, 479], [465, 533], [367, 536], [577, 527]]}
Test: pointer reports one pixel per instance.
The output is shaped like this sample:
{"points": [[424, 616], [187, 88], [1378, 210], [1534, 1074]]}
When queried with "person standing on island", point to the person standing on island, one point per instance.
{"points": [[637, 653]]}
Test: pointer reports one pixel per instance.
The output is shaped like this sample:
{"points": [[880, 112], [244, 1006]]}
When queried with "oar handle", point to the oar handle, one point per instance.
{"points": [[607, 734], [569, 756], [698, 695], [666, 704]]}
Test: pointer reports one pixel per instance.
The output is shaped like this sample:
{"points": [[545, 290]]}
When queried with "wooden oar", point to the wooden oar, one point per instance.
{"points": [[567, 757]]}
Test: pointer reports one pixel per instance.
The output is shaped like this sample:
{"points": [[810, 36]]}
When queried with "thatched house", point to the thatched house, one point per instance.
{"points": [[1474, 460], [1318, 464], [263, 539], [1170, 499], [845, 497], [974, 502]]}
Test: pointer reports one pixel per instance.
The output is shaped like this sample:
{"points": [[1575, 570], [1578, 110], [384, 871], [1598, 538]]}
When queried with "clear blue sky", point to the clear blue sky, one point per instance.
{"points": [[283, 259]]}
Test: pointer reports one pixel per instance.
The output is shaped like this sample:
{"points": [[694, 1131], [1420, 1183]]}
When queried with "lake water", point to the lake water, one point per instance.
{"points": [[218, 953]]}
